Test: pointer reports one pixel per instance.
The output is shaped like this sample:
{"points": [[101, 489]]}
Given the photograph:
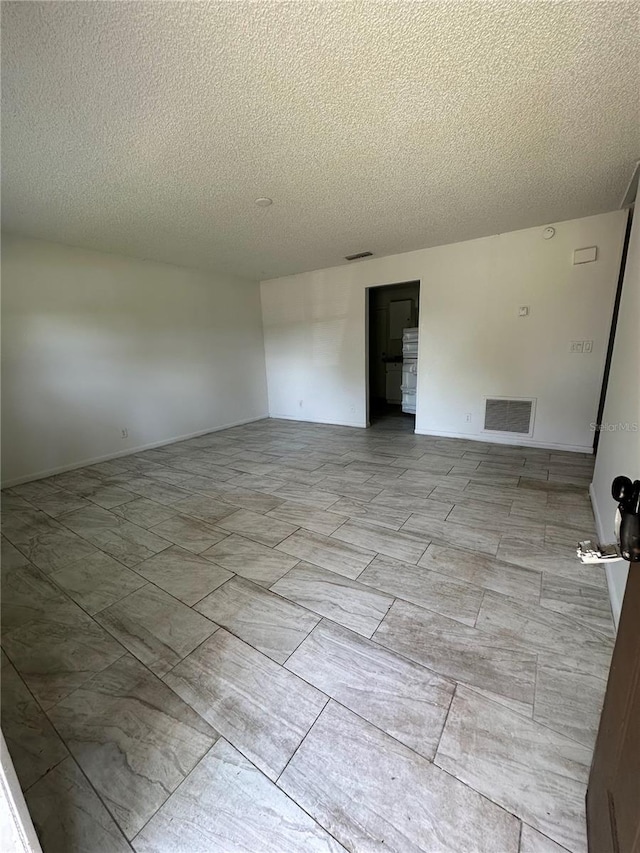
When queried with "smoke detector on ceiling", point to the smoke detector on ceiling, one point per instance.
{"points": [[358, 255]]}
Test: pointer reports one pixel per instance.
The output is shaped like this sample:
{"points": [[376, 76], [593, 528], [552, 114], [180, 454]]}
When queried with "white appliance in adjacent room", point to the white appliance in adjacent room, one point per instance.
{"points": [[409, 370]]}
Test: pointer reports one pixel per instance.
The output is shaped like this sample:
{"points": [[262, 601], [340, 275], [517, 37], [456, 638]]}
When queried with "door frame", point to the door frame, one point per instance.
{"points": [[367, 319]]}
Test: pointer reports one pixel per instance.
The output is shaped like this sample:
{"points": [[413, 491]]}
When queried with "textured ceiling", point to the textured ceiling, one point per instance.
{"points": [[149, 128]]}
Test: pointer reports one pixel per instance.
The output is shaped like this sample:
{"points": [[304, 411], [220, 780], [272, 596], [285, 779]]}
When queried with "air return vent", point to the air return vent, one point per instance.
{"points": [[510, 415], [358, 255]]}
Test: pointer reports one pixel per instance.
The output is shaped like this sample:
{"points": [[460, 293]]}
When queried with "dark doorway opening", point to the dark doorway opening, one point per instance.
{"points": [[392, 312]]}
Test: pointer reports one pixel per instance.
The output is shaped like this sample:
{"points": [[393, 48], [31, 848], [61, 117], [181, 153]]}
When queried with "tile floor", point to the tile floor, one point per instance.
{"points": [[293, 637]]}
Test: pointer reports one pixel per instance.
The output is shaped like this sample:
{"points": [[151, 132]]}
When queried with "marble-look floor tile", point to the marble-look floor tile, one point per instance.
{"points": [[55, 548], [556, 534], [410, 804], [57, 502], [567, 700], [30, 595], [162, 493], [259, 707], [246, 499], [269, 623], [347, 488], [341, 472], [253, 525], [143, 512], [328, 552], [434, 591], [551, 486], [97, 581], [427, 483], [352, 604], [133, 737], [526, 625], [33, 743], [370, 513], [58, 652], [123, 540], [108, 496], [576, 514], [253, 561], [90, 520], [587, 604], [493, 479], [33, 491], [400, 499], [129, 543], [11, 558], [483, 571], [545, 660], [22, 522], [532, 841], [171, 476], [535, 773], [399, 544], [511, 525], [554, 561], [316, 497], [186, 576], [453, 533], [69, 816], [228, 806], [293, 476], [206, 485], [256, 482], [460, 652], [207, 509], [189, 533], [431, 463], [316, 520], [402, 698], [459, 492], [155, 627]]}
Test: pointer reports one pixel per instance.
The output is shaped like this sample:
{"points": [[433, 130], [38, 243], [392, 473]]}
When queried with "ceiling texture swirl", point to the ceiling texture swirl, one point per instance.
{"points": [[150, 128]]}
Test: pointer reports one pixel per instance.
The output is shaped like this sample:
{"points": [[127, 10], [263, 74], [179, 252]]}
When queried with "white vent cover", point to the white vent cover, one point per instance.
{"points": [[512, 415]]}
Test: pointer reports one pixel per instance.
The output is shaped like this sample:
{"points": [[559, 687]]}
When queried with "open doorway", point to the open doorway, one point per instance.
{"points": [[392, 355]]}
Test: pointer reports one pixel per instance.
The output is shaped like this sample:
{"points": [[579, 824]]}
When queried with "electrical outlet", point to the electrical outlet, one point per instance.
{"points": [[124, 433], [576, 346], [523, 311], [468, 417]]}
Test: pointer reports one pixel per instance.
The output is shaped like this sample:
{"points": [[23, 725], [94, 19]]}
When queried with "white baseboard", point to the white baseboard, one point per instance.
{"points": [[517, 441], [361, 425], [40, 475]]}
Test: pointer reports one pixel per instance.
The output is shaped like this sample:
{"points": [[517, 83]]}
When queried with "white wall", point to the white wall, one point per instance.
{"points": [[619, 448], [472, 342], [93, 343]]}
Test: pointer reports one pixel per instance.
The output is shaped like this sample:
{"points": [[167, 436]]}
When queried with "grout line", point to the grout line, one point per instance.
{"points": [[328, 699], [454, 693]]}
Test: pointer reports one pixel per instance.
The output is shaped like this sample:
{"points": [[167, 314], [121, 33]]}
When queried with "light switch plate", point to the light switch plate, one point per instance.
{"points": [[576, 346], [523, 311]]}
